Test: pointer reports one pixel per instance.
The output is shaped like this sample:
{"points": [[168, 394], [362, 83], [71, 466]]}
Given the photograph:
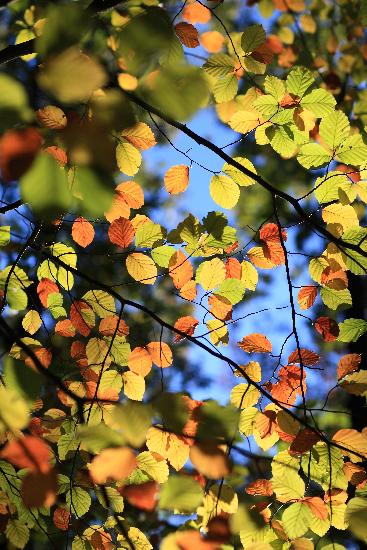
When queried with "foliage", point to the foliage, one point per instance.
{"points": [[97, 449]]}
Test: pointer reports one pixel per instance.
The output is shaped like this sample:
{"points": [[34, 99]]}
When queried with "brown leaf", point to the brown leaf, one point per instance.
{"points": [[348, 363], [187, 34], [328, 328], [18, 149], [210, 460], [39, 489], [305, 356]]}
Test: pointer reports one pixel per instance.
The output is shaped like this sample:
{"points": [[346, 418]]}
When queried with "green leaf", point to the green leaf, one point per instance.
{"points": [[232, 289], [179, 90], [96, 438], [14, 411], [252, 38], [102, 303], [14, 106], [219, 65], [217, 421], [319, 102], [327, 187], [351, 329], [275, 87], [356, 517], [162, 255], [267, 105], [17, 533], [334, 129], [114, 499], [353, 150], [148, 235], [94, 190], [281, 140], [356, 263], [299, 80], [313, 155], [79, 501], [23, 380], [335, 299], [225, 88], [45, 187], [4, 235], [296, 520], [133, 419], [180, 493], [288, 485]]}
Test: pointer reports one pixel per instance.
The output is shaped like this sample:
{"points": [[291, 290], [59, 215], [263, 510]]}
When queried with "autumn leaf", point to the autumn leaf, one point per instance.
{"points": [[255, 343], [187, 34], [176, 179], [210, 460], [160, 354], [112, 464], [82, 232], [307, 296], [52, 117], [121, 232], [185, 324], [304, 356], [29, 452]]}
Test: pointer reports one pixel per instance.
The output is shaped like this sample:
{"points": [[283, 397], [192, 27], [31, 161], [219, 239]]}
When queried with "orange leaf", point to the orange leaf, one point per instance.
{"points": [[188, 290], [212, 41], [18, 149], [196, 13], [140, 361], [109, 324], [261, 487], [58, 154], [140, 135], [210, 460], [115, 464], [220, 307], [255, 342], [28, 452], [82, 317], [317, 507], [304, 356], [353, 440], [176, 179], [270, 232], [307, 296], [160, 353], [328, 328], [121, 232], [180, 269], [131, 193], [65, 328], [39, 488], [142, 496], [82, 232], [61, 518], [348, 363], [233, 269], [44, 288], [187, 34], [257, 256], [186, 324]]}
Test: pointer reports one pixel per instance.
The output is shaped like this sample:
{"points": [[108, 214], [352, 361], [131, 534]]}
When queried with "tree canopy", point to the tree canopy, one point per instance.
{"points": [[119, 297]]}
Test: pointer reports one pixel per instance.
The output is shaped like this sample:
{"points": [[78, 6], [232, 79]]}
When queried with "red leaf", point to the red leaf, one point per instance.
{"points": [[303, 442], [121, 232], [261, 487], [186, 324], [348, 363], [28, 452], [270, 232], [61, 518], [18, 149], [40, 489], [257, 343], [142, 496], [328, 328], [187, 34], [263, 54], [306, 357]]}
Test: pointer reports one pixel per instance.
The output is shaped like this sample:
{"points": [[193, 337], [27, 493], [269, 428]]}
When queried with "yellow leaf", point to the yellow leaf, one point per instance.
{"points": [[141, 268], [31, 321], [249, 275], [344, 215], [128, 158], [244, 395], [288, 486], [244, 121], [218, 332], [140, 135], [134, 385], [155, 466], [210, 274], [170, 446], [224, 191]]}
